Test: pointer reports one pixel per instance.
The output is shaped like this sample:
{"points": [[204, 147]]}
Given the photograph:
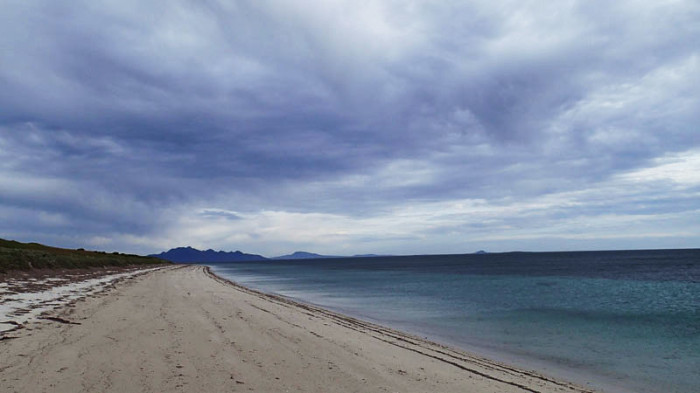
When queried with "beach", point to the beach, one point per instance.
{"points": [[184, 329]]}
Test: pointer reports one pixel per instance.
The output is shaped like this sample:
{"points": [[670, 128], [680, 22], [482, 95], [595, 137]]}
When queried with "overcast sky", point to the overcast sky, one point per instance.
{"points": [[347, 127]]}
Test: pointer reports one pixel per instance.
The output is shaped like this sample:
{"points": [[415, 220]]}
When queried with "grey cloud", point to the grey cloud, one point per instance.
{"points": [[249, 105], [209, 213]]}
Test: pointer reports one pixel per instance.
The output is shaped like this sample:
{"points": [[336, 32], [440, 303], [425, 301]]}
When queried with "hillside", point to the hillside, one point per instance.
{"points": [[24, 256]]}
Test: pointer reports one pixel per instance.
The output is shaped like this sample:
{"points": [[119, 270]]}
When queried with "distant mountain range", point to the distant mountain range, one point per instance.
{"points": [[190, 255], [193, 255]]}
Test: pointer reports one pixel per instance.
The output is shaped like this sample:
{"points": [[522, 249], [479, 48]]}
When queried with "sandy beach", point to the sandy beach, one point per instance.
{"points": [[184, 329]]}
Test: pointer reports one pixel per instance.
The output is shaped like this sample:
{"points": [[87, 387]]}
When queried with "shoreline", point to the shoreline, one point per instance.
{"points": [[175, 329], [587, 358], [491, 356], [590, 382], [446, 353]]}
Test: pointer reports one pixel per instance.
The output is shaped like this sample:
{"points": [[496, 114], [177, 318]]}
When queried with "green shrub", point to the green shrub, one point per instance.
{"points": [[24, 256]]}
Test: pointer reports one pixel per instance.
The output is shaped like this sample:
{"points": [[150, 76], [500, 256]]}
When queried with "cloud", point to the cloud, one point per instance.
{"points": [[122, 118], [219, 214]]}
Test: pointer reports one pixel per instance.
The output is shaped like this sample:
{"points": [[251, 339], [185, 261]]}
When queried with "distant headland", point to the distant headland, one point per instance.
{"points": [[193, 255]]}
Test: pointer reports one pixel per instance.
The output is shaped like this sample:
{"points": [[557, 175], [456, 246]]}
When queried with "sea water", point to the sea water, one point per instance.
{"points": [[620, 321]]}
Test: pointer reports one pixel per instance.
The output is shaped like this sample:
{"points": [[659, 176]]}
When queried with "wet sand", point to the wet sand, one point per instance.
{"points": [[182, 329]]}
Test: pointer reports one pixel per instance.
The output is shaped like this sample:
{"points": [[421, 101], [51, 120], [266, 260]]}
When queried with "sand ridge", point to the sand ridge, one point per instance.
{"points": [[184, 329]]}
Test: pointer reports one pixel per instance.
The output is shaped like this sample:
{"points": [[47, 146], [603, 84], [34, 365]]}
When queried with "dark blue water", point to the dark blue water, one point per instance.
{"points": [[622, 320]]}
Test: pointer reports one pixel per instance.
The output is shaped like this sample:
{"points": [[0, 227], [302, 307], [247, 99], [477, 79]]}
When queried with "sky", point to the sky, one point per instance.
{"points": [[350, 127]]}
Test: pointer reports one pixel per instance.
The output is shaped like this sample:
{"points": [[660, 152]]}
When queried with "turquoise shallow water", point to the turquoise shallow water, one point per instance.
{"points": [[624, 321]]}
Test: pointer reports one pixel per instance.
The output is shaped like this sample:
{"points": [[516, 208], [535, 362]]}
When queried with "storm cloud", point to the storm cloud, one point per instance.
{"points": [[350, 127]]}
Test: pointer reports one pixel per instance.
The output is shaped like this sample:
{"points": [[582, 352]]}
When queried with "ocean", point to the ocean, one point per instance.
{"points": [[623, 321]]}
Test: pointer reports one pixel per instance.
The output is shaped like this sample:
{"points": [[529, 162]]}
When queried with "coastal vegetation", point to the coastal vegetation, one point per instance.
{"points": [[26, 256]]}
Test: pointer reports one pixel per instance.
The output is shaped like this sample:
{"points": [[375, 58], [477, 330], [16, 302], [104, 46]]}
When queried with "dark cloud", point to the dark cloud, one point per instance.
{"points": [[117, 116]]}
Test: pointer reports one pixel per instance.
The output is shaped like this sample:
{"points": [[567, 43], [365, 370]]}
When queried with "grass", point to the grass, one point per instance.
{"points": [[25, 256]]}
